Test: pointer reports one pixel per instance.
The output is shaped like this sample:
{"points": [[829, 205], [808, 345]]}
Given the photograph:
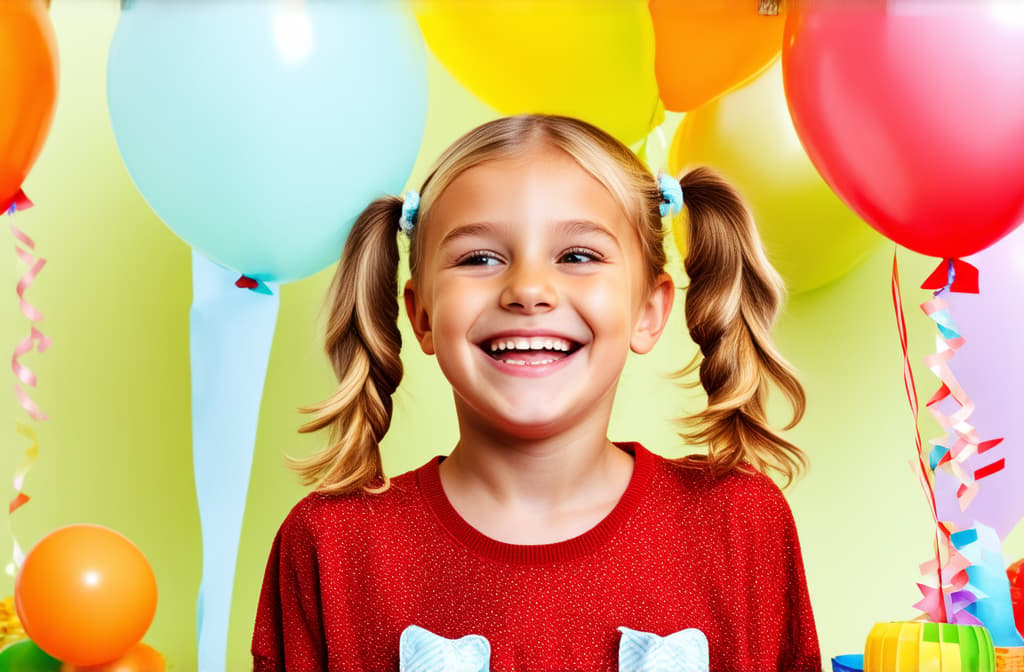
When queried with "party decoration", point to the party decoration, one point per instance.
{"points": [[811, 237], [589, 60], [230, 335], [140, 658], [28, 79], [85, 594], [683, 651], [928, 647], [991, 356], [914, 114], [26, 656], [849, 662], [420, 650], [1015, 576], [260, 138], [703, 49], [981, 547], [11, 630], [36, 340]]}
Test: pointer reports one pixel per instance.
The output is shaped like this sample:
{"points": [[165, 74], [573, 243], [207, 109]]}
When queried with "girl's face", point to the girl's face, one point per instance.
{"points": [[531, 292]]}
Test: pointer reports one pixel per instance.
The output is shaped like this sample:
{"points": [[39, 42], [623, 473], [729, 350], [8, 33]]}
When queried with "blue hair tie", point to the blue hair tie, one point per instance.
{"points": [[410, 209], [671, 194]]}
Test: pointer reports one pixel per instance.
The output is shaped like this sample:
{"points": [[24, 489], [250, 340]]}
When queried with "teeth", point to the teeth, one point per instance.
{"points": [[533, 343]]}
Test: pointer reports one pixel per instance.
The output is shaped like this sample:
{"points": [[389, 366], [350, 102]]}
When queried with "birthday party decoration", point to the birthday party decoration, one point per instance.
{"points": [[683, 651], [260, 137], [991, 356], [28, 79], [85, 594], [139, 658], [26, 656], [539, 56], [914, 114], [928, 647], [811, 237], [980, 545], [420, 650], [703, 49]]}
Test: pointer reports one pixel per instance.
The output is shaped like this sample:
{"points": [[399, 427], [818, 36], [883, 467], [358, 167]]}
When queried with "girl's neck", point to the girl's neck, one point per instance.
{"points": [[531, 491]]}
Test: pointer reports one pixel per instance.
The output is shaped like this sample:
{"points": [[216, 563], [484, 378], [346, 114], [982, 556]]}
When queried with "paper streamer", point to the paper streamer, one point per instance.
{"points": [[954, 597], [993, 608], [231, 330], [36, 340]]}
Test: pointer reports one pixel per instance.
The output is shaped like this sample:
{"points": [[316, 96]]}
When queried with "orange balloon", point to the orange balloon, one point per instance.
{"points": [[140, 658], [85, 594], [703, 48], [28, 84]]}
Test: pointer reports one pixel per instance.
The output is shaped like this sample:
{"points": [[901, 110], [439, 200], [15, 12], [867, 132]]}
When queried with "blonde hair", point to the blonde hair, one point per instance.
{"points": [[733, 299]]}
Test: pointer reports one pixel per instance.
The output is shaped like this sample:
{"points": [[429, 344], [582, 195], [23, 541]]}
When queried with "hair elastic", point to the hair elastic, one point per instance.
{"points": [[410, 209], [671, 194]]}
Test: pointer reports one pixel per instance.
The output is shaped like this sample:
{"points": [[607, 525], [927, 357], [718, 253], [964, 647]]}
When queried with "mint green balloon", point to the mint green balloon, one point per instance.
{"points": [[26, 656], [258, 130]]}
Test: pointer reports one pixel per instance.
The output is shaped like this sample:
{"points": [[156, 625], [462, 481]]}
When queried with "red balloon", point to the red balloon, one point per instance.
{"points": [[913, 112]]}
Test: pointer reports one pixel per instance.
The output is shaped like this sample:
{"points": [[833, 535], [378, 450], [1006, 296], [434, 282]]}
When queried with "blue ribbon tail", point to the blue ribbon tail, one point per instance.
{"points": [[231, 331]]}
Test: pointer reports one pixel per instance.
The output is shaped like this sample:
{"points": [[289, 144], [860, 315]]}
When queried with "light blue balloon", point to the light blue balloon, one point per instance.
{"points": [[259, 129]]}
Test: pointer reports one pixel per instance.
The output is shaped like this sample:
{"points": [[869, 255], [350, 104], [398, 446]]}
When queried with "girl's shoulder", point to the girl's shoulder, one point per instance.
{"points": [[740, 490], [353, 514]]}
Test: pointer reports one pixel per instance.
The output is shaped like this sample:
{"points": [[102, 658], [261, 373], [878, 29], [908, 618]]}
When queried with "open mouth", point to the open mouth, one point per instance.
{"points": [[529, 350]]}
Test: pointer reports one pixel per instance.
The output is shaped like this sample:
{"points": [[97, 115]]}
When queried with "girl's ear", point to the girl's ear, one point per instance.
{"points": [[415, 309], [653, 315]]}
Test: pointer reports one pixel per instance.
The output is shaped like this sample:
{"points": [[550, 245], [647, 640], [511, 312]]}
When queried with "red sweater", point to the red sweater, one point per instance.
{"points": [[348, 573]]}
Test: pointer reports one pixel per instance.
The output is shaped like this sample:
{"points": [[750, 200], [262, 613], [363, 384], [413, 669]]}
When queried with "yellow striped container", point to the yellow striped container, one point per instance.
{"points": [[929, 647]]}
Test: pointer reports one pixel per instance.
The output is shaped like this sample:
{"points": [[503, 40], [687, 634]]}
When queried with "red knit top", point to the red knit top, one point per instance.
{"points": [[348, 573]]}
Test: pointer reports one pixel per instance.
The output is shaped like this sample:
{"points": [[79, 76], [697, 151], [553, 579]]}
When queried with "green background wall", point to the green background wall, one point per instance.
{"points": [[117, 449]]}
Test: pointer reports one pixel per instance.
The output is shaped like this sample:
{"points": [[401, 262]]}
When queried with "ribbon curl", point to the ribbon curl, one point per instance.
{"points": [[38, 341]]}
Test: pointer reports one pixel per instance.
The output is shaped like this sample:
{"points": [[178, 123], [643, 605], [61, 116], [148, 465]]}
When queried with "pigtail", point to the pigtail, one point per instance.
{"points": [[363, 345], [732, 301]]}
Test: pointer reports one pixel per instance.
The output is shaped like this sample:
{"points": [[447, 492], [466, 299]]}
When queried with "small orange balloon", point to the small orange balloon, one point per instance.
{"points": [[28, 82], [140, 658], [85, 594], [704, 48]]}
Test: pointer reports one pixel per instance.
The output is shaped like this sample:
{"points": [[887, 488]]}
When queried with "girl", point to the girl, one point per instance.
{"points": [[537, 263]]}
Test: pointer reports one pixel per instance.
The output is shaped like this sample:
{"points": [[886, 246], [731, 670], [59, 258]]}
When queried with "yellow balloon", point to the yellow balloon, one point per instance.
{"points": [[811, 237], [592, 59]]}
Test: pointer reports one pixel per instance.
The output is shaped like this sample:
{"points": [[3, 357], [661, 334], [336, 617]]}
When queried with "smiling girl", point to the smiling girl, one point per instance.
{"points": [[537, 264]]}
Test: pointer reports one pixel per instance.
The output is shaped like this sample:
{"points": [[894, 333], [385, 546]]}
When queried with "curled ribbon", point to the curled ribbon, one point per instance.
{"points": [[38, 341], [948, 600]]}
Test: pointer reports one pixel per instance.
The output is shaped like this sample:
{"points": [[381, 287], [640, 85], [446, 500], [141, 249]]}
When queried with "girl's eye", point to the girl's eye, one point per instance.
{"points": [[579, 255], [481, 258]]}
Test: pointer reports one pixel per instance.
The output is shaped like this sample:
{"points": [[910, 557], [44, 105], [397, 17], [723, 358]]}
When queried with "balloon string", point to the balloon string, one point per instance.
{"points": [[36, 340], [937, 602]]}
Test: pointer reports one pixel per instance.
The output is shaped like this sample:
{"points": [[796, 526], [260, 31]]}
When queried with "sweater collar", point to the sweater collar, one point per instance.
{"points": [[593, 539]]}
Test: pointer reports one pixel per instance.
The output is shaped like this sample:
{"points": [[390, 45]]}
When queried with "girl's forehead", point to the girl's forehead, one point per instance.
{"points": [[539, 178]]}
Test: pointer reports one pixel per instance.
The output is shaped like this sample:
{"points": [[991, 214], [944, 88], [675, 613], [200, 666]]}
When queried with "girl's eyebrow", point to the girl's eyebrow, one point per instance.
{"points": [[568, 227]]}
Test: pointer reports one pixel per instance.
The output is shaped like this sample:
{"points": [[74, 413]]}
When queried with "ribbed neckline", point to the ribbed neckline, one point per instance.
{"points": [[429, 477]]}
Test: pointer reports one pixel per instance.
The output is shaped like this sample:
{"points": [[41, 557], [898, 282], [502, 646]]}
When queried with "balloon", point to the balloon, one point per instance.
{"points": [[140, 658], [811, 237], [28, 80], [991, 359], [85, 594], [579, 58], [914, 113], [26, 656], [258, 131], [705, 48], [1016, 577]]}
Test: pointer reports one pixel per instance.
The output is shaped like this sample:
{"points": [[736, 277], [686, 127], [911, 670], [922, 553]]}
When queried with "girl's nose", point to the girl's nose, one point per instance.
{"points": [[529, 290]]}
